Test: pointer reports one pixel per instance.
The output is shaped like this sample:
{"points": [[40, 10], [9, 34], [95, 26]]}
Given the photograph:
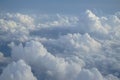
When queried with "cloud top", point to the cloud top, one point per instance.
{"points": [[17, 71], [60, 47]]}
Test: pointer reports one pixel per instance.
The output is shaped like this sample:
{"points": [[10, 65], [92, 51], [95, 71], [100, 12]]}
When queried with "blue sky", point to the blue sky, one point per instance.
{"points": [[59, 6]]}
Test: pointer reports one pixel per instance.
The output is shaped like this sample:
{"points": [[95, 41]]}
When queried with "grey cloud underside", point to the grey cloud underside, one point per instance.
{"points": [[59, 47]]}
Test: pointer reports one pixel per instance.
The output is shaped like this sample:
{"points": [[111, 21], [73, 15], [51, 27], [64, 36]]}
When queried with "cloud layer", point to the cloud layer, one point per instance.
{"points": [[60, 47]]}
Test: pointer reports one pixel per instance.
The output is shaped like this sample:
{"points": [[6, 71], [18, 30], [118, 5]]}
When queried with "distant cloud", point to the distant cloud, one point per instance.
{"points": [[76, 43]]}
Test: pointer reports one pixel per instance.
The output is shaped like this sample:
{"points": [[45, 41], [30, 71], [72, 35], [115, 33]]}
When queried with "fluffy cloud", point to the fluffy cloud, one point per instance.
{"points": [[93, 23], [57, 21], [92, 74], [16, 26], [17, 71], [1, 56], [53, 67], [36, 55], [4, 61], [111, 77], [20, 25], [62, 47], [75, 43], [25, 19]]}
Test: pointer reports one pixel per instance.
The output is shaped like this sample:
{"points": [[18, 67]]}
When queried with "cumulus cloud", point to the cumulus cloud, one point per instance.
{"points": [[92, 74], [35, 54], [112, 77], [25, 19], [1, 56], [53, 67], [17, 71], [94, 23], [61, 47], [75, 43], [20, 25], [4, 61], [16, 26], [57, 21]]}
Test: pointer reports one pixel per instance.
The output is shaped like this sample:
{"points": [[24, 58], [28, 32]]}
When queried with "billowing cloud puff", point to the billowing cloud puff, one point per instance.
{"points": [[16, 26], [17, 71], [4, 61], [25, 19], [36, 55], [75, 43], [1, 56], [93, 23], [53, 67], [111, 77], [92, 74], [57, 21]]}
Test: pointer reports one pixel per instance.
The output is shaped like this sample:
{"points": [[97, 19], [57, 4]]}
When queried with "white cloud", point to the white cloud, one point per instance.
{"points": [[1, 56], [15, 26], [94, 23], [17, 71], [20, 25], [4, 59], [92, 74], [57, 21], [111, 77], [72, 45], [76, 43], [68, 68], [25, 19], [35, 54]]}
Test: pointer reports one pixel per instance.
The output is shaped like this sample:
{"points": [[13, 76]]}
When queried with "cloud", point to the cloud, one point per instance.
{"points": [[62, 47], [4, 61], [1, 56], [17, 71], [16, 26], [92, 74], [53, 67], [75, 43], [111, 77], [93, 23], [21, 25], [25, 19], [57, 21], [36, 55]]}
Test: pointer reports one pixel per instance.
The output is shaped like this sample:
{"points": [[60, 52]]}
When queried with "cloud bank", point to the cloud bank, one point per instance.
{"points": [[60, 47]]}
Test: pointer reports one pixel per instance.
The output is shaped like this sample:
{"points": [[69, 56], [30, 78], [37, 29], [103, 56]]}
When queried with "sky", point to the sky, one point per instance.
{"points": [[59, 6]]}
